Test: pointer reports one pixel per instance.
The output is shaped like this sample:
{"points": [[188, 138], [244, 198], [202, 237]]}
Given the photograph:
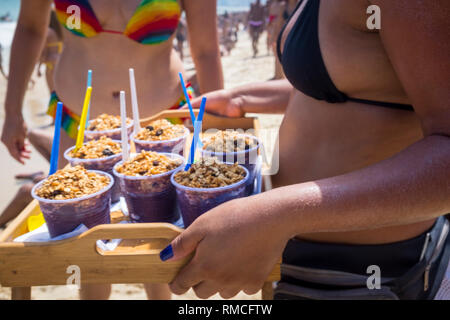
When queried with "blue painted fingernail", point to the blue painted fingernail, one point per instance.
{"points": [[167, 253]]}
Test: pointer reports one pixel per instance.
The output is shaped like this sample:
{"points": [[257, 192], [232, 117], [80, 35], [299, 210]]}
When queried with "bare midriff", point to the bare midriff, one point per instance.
{"points": [[319, 139], [110, 56]]}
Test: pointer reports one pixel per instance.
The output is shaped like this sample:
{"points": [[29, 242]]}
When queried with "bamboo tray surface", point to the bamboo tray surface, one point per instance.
{"points": [[136, 258]]}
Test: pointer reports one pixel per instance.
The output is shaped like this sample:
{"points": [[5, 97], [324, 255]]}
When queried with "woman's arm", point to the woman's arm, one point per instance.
{"points": [[201, 20], [26, 48], [410, 187], [264, 97]]}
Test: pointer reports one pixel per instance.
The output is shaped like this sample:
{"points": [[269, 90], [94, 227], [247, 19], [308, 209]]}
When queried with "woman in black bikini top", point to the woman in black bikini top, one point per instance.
{"points": [[303, 63], [362, 184]]}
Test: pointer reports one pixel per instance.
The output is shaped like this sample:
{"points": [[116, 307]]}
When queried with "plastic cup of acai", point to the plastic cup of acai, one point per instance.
{"points": [[246, 158], [63, 216], [150, 198], [194, 202], [113, 134], [105, 164], [175, 145]]}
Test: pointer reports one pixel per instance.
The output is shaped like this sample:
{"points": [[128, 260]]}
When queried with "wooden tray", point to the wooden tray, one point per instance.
{"points": [[135, 260]]}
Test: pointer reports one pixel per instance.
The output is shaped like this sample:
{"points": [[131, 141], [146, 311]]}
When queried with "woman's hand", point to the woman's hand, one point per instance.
{"points": [[14, 135], [263, 97], [221, 103], [236, 245]]}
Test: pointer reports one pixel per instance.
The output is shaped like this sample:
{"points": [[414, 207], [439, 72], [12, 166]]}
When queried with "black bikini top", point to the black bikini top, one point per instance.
{"points": [[303, 63]]}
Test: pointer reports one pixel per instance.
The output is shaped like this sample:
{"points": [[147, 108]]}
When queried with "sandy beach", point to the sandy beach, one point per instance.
{"points": [[239, 68]]}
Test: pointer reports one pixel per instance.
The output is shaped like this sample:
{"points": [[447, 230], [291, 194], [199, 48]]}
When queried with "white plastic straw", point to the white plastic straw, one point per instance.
{"points": [[134, 102], [123, 118]]}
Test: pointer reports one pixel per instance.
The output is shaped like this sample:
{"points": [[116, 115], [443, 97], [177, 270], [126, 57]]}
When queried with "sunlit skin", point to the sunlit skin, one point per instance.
{"points": [[349, 173]]}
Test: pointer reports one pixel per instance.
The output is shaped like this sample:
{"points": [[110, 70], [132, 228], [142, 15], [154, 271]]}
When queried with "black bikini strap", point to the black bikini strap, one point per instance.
{"points": [[383, 104], [280, 35]]}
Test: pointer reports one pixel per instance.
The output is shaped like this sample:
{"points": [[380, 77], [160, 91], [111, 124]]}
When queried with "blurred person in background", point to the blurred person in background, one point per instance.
{"points": [[275, 24], [256, 23], [289, 7], [228, 36]]}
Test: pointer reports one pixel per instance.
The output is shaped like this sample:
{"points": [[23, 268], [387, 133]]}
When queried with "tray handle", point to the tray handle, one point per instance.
{"points": [[132, 231], [149, 231]]}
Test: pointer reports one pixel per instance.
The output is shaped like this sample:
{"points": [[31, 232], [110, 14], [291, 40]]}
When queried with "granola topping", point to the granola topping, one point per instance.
{"points": [[210, 173], [106, 122], [71, 183], [228, 141], [161, 130], [95, 149], [148, 163]]}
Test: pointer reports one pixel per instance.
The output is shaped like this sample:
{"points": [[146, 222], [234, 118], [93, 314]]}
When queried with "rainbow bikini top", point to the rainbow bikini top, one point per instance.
{"points": [[153, 22]]}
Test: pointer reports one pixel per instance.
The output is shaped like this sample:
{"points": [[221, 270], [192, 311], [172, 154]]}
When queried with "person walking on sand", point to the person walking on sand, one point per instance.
{"points": [[112, 37], [255, 18], [275, 23], [226, 33]]}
